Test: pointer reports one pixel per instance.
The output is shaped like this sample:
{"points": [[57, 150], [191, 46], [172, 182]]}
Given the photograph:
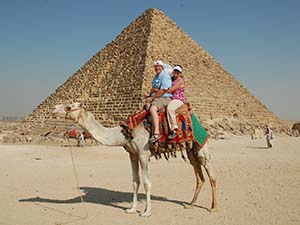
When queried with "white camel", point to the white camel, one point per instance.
{"points": [[139, 152]]}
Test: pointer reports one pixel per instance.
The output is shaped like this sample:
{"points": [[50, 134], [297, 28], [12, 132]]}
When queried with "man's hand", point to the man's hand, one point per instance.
{"points": [[146, 95], [154, 90], [149, 99]]}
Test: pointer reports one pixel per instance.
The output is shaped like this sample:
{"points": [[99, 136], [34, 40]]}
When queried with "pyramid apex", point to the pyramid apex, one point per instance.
{"points": [[154, 11]]}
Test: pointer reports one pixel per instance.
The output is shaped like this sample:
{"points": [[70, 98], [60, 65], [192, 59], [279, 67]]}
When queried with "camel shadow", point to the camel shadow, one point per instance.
{"points": [[104, 197], [254, 147]]}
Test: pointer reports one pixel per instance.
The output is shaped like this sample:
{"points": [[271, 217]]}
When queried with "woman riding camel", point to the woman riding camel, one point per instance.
{"points": [[177, 101]]}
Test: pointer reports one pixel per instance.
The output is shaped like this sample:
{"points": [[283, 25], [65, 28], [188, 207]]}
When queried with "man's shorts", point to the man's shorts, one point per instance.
{"points": [[159, 103]]}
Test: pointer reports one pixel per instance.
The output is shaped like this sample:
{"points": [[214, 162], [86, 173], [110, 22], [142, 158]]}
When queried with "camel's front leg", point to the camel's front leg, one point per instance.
{"points": [[147, 184], [135, 182]]}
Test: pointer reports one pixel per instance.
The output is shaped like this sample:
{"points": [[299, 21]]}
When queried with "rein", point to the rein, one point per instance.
{"points": [[76, 179]]}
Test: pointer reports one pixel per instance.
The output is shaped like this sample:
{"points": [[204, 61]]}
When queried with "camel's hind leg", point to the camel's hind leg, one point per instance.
{"points": [[204, 158], [199, 178]]}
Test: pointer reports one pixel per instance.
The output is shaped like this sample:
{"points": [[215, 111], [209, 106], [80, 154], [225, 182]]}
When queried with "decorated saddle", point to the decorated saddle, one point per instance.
{"points": [[190, 131]]}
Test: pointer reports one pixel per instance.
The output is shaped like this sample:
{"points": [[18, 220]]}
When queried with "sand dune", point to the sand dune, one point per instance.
{"points": [[255, 185]]}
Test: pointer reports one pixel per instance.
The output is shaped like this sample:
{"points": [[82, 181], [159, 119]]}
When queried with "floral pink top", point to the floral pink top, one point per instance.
{"points": [[179, 92]]}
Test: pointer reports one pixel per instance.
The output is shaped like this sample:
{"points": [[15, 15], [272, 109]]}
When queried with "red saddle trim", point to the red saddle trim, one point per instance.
{"points": [[183, 118]]}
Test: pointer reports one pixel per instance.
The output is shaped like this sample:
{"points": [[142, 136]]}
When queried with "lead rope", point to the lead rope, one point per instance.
{"points": [[78, 190], [77, 187]]}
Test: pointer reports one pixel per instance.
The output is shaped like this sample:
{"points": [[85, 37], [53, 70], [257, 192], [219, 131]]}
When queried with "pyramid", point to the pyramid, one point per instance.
{"points": [[112, 83]]}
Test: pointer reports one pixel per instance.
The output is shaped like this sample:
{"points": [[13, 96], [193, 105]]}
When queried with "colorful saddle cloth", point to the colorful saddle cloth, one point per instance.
{"points": [[185, 125], [189, 128]]}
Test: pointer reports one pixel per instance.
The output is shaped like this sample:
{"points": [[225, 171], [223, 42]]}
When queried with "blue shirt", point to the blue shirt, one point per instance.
{"points": [[162, 81]]}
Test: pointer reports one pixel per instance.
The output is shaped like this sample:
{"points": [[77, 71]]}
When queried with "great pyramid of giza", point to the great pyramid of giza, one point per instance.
{"points": [[112, 83]]}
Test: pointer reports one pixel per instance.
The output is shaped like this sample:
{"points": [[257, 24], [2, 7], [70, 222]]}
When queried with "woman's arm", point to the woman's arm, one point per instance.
{"points": [[176, 86]]}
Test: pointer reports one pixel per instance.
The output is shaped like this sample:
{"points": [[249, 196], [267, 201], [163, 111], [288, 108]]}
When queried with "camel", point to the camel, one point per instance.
{"points": [[75, 134], [296, 128], [139, 153]]}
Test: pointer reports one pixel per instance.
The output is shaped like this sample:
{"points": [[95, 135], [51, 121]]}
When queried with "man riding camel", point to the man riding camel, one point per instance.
{"points": [[158, 98]]}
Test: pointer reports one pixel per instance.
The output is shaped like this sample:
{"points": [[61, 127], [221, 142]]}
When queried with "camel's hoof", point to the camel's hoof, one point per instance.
{"points": [[145, 214], [212, 210], [189, 206], [130, 211]]}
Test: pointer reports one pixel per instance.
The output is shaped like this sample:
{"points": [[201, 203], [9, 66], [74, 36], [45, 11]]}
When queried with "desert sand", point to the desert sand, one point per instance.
{"points": [[255, 185]]}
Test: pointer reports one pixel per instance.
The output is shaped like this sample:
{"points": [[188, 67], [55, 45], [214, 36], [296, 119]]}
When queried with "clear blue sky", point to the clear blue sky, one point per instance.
{"points": [[42, 42]]}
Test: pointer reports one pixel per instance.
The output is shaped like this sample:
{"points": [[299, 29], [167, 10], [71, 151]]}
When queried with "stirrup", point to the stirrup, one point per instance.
{"points": [[155, 137]]}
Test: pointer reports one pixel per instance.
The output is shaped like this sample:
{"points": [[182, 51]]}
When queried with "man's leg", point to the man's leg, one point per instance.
{"points": [[156, 105], [155, 120]]}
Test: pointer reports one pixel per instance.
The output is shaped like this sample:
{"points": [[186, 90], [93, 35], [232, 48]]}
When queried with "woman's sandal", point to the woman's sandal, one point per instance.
{"points": [[172, 135]]}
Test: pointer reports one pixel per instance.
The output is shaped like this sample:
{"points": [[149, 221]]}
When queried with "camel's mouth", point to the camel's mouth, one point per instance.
{"points": [[67, 111], [58, 111]]}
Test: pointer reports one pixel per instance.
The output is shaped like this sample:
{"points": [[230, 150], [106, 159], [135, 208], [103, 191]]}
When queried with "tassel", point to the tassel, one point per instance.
{"points": [[165, 155], [182, 156], [169, 150], [182, 148]]}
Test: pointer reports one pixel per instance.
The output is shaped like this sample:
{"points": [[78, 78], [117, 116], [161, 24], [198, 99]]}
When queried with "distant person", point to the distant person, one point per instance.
{"points": [[81, 140], [269, 137], [177, 101]]}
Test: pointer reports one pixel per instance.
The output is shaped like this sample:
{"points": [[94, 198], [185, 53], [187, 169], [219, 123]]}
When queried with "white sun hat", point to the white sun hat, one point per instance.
{"points": [[178, 68], [159, 63]]}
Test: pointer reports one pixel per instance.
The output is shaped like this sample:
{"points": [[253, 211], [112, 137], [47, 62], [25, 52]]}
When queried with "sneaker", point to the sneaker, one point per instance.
{"points": [[172, 135], [155, 137]]}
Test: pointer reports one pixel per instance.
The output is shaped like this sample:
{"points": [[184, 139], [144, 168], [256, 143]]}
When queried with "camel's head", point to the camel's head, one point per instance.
{"points": [[69, 111]]}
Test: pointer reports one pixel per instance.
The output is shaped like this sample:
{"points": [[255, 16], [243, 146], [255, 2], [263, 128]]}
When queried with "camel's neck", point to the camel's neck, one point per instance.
{"points": [[104, 135]]}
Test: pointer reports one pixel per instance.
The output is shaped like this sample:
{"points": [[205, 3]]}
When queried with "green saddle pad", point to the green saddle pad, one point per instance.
{"points": [[200, 133]]}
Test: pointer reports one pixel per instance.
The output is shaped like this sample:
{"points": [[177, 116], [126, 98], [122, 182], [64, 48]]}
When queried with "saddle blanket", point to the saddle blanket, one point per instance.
{"points": [[189, 128]]}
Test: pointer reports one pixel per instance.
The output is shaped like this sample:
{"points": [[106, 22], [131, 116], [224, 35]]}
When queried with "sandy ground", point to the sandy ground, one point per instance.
{"points": [[255, 185]]}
